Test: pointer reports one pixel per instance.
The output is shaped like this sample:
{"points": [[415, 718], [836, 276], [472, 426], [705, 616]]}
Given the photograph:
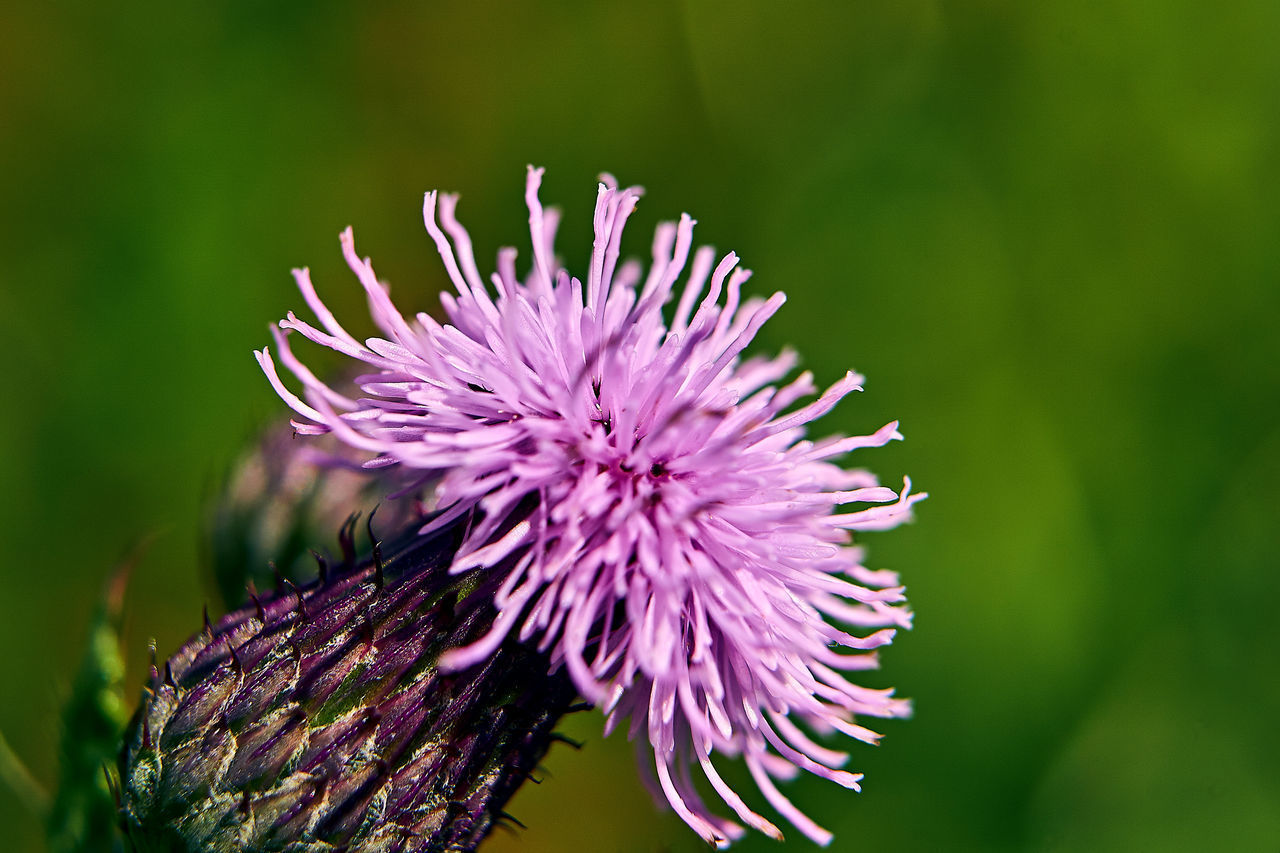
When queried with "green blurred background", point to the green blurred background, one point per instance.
{"points": [[1047, 232]]}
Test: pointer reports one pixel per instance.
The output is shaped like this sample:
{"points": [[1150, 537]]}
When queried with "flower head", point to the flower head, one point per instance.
{"points": [[665, 530]]}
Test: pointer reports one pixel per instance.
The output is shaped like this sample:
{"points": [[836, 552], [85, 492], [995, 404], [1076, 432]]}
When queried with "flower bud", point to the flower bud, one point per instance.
{"points": [[317, 716]]}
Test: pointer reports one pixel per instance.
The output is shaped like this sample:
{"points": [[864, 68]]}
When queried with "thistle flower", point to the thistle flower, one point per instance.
{"points": [[661, 526]]}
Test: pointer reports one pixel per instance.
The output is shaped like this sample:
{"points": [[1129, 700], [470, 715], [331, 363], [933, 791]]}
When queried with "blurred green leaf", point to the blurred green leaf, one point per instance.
{"points": [[17, 778], [83, 817]]}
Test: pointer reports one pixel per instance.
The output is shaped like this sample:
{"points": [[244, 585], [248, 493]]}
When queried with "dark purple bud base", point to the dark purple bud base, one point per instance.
{"points": [[315, 718]]}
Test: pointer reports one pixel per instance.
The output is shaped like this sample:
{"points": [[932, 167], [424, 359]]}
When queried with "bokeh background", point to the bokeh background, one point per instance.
{"points": [[1047, 232]]}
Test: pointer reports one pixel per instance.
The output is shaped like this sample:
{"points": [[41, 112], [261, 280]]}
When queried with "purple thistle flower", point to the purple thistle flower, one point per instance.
{"points": [[678, 544]]}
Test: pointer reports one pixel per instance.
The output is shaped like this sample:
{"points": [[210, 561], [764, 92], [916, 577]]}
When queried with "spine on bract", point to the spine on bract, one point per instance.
{"points": [[315, 718]]}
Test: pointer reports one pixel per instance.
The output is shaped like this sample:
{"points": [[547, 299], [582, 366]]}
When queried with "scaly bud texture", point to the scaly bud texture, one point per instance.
{"points": [[283, 497], [318, 718], [688, 556]]}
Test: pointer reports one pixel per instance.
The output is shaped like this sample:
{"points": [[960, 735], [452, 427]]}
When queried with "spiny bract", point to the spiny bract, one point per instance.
{"points": [[318, 719]]}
